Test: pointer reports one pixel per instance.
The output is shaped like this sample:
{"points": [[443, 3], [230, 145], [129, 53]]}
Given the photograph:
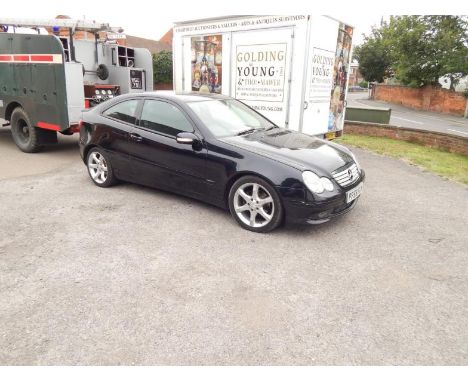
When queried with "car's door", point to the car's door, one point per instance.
{"points": [[113, 134], [158, 159]]}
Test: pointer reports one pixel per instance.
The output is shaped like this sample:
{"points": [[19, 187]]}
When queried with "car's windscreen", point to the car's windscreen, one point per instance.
{"points": [[228, 117]]}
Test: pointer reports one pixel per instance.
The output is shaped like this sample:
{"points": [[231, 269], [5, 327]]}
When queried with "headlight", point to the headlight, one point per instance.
{"points": [[312, 181], [109, 92], [327, 184], [96, 91], [103, 91], [316, 184]]}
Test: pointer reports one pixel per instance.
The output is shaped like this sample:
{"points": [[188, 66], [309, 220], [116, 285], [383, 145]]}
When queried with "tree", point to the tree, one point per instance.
{"points": [[417, 49], [162, 67], [449, 35], [374, 58]]}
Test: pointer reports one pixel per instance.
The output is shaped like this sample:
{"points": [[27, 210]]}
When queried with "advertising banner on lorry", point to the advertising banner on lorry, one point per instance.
{"points": [[207, 60], [327, 76], [321, 76], [262, 70], [340, 77]]}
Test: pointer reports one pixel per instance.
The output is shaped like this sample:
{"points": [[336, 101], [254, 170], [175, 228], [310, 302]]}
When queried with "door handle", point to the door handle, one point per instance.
{"points": [[136, 137]]}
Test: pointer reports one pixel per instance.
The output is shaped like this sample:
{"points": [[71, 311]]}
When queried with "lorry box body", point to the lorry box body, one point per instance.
{"points": [[32, 75], [292, 69]]}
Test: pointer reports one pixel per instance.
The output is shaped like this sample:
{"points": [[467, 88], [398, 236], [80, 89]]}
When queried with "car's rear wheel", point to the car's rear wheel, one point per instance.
{"points": [[99, 168], [255, 204]]}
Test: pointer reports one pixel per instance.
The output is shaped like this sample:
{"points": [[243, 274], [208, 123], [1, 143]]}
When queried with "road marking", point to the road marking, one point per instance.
{"points": [[445, 120], [458, 131], [408, 120]]}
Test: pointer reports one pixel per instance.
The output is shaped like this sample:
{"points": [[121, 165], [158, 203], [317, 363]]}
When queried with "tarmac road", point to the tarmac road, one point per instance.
{"points": [[130, 275], [14, 163], [417, 119]]}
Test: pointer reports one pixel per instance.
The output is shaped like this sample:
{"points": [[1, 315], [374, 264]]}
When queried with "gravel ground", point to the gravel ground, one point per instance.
{"points": [[130, 275]]}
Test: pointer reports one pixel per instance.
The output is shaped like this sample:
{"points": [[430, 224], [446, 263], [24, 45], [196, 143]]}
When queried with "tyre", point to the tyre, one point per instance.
{"points": [[100, 168], [25, 136], [255, 204]]}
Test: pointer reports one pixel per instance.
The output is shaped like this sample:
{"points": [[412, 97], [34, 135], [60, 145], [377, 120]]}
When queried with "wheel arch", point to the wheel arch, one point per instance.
{"points": [[239, 175], [9, 109], [87, 149]]}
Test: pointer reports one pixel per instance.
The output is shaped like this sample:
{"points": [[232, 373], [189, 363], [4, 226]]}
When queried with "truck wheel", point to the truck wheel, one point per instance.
{"points": [[24, 134]]}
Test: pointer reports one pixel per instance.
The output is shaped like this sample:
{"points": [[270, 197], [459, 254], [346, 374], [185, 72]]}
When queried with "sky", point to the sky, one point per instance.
{"points": [[151, 19]]}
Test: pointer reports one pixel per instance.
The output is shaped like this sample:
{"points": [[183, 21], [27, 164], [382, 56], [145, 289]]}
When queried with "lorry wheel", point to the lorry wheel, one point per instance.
{"points": [[24, 134]]}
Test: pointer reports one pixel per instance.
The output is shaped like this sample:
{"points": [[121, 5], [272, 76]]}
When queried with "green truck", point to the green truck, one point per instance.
{"points": [[46, 80]]}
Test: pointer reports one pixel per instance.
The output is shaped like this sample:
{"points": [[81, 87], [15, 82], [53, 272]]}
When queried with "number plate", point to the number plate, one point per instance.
{"points": [[354, 193]]}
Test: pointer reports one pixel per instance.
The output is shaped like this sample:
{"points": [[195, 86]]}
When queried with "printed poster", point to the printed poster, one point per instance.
{"points": [[207, 59], [340, 78], [261, 72], [321, 78]]}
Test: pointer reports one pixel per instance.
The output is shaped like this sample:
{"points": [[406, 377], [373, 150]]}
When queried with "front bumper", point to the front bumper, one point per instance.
{"points": [[300, 210]]}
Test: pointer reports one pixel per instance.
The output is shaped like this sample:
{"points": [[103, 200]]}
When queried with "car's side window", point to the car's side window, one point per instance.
{"points": [[163, 117], [124, 111]]}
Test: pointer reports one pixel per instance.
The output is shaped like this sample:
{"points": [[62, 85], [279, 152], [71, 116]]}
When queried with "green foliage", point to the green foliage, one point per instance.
{"points": [[374, 58], [417, 50], [162, 67], [364, 84]]}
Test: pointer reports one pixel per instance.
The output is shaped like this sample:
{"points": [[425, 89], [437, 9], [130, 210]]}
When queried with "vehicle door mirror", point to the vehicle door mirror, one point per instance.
{"points": [[187, 138]]}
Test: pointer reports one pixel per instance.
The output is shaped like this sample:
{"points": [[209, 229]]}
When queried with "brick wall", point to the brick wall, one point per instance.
{"points": [[163, 86], [449, 142], [426, 98]]}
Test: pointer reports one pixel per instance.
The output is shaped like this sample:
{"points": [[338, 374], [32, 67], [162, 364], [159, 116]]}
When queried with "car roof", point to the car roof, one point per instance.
{"points": [[182, 96]]}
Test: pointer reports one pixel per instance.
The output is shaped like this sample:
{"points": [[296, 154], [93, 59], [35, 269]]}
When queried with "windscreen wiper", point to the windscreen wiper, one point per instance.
{"points": [[248, 131]]}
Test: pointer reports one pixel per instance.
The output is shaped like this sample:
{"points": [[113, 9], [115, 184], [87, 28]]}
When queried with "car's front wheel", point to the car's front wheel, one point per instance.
{"points": [[255, 204], [99, 168]]}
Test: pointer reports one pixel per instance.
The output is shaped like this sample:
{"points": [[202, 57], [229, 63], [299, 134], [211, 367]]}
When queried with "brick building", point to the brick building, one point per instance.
{"points": [[355, 76], [167, 38], [153, 46]]}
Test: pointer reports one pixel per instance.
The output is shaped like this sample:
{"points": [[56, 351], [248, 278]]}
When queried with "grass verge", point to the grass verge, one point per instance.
{"points": [[443, 163]]}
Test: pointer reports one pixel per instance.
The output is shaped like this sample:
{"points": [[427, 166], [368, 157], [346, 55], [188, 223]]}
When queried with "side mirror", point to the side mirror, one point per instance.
{"points": [[187, 138]]}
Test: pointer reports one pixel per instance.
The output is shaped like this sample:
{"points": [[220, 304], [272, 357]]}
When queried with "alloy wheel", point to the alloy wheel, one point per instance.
{"points": [[97, 166], [254, 205]]}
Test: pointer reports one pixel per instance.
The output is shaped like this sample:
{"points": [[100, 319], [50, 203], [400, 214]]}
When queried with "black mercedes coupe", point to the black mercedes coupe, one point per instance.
{"points": [[219, 150]]}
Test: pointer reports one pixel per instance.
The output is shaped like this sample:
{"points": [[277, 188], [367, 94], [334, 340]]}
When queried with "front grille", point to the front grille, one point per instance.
{"points": [[347, 176]]}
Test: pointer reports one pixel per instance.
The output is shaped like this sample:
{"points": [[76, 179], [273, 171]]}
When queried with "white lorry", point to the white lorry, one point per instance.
{"points": [[292, 69]]}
